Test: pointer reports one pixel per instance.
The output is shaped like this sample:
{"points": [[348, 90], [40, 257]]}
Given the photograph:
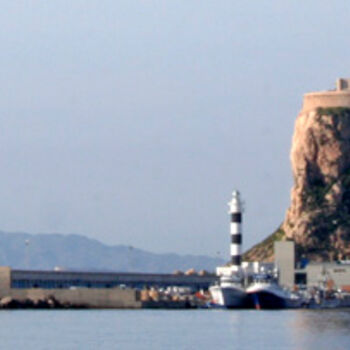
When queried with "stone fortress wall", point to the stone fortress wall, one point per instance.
{"points": [[340, 97]]}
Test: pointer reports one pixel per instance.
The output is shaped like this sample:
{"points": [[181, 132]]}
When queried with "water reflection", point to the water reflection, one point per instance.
{"points": [[321, 329], [285, 329], [323, 320], [178, 329]]}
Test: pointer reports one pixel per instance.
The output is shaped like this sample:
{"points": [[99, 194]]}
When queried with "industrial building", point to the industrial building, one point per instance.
{"points": [[45, 279], [309, 274], [21, 279]]}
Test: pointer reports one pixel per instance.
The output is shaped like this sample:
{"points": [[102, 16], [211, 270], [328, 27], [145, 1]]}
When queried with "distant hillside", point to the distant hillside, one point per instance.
{"points": [[45, 251]]}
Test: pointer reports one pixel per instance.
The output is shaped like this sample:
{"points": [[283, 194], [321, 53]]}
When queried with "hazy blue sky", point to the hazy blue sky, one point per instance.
{"points": [[133, 121]]}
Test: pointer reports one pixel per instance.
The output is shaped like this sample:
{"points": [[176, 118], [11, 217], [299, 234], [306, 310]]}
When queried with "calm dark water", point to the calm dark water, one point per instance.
{"points": [[192, 329]]}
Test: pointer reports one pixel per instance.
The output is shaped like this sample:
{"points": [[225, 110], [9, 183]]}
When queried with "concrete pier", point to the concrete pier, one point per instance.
{"points": [[91, 289]]}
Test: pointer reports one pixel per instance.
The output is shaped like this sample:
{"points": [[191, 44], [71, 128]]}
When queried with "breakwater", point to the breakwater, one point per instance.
{"points": [[74, 289]]}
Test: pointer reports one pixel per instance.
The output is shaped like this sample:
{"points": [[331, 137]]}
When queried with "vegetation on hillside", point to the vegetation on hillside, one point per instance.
{"points": [[263, 251]]}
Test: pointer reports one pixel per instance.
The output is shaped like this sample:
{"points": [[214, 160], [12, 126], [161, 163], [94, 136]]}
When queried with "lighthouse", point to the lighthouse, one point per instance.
{"points": [[236, 231], [230, 292]]}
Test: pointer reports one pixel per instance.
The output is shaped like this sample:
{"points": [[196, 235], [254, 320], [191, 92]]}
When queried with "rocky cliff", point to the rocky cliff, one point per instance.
{"points": [[318, 219]]}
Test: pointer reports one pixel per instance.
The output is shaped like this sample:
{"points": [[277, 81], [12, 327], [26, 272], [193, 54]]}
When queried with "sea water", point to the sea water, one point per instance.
{"points": [[178, 329]]}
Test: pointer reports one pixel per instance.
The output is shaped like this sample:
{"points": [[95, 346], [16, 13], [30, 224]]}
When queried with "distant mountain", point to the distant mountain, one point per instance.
{"points": [[76, 252]]}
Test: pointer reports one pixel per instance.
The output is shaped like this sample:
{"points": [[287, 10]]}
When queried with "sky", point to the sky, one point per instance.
{"points": [[132, 122]]}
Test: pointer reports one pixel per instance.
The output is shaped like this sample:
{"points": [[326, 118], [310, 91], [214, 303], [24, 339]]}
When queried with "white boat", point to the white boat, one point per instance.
{"points": [[265, 293], [230, 293]]}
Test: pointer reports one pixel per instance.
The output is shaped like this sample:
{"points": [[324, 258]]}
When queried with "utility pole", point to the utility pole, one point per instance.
{"points": [[26, 242]]}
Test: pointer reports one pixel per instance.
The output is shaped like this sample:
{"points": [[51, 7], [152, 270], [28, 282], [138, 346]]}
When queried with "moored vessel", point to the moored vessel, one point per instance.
{"points": [[265, 293], [230, 293]]}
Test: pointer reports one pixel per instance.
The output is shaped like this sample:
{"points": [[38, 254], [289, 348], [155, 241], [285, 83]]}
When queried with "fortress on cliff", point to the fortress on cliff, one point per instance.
{"points": [[340, 97]]}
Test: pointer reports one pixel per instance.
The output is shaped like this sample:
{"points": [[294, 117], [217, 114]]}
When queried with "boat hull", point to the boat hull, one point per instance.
{"points": [[229, 297], [268, 300], [325, 304]]}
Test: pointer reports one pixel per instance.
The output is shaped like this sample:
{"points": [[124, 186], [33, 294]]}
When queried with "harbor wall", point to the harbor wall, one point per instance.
{"points": [[90, 289], [82, 297]]}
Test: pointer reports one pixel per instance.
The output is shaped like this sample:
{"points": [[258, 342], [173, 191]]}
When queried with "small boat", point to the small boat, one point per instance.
{"points": [[328, 299], [325, 296], [265, 293], [329, 303]]}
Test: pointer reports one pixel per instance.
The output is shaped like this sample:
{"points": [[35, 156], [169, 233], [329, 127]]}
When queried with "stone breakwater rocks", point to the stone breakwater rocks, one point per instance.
{"points": [[8, 302]]}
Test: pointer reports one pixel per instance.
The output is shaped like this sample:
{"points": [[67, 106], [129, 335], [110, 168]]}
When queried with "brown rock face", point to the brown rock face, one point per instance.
{"points": [[318, 219]]}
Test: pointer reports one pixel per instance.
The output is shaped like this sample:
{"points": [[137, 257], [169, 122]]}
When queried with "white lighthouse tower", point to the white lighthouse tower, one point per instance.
{"points": [[236, 232]]}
